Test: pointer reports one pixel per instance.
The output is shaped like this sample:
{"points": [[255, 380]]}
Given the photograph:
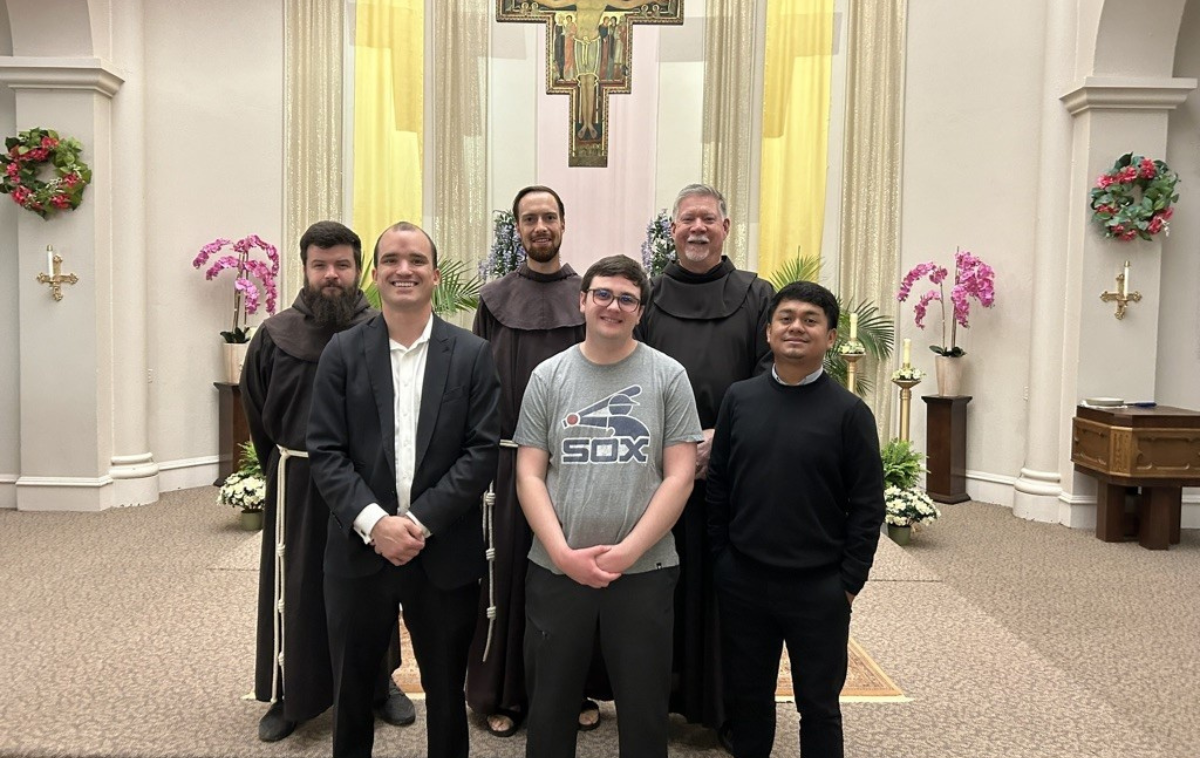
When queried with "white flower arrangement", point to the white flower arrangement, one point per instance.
{"points": [[908, 374], [851, 347], [243, 490], [905, 507]]}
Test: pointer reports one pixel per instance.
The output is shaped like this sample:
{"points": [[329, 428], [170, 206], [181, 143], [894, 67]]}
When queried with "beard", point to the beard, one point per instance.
{"points": [[332, 309], [541, 255]]}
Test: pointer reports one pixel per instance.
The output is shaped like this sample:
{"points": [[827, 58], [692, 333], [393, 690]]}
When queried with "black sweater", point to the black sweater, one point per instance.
{"points": [[795, 480]]}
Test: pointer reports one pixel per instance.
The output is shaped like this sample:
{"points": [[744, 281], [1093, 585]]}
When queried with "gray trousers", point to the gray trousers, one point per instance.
{"points": [[634, 617]]}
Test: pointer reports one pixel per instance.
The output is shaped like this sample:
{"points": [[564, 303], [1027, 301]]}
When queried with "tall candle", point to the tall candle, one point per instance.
{"points": [[853, 326], [907, 352], [1125, 290], [49, 260]]}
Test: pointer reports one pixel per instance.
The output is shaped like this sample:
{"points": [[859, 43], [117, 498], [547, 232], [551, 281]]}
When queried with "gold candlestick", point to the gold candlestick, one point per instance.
{"points": [[56, 278], [906, 378], [1122, 296]]}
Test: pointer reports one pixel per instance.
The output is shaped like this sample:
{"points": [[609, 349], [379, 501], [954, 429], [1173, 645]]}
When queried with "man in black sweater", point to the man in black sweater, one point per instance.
{"points": [[795, 504]]}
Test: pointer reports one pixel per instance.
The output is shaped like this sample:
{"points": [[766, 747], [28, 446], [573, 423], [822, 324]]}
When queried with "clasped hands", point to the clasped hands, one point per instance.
{"points": [[596, 566], [398, 539]]}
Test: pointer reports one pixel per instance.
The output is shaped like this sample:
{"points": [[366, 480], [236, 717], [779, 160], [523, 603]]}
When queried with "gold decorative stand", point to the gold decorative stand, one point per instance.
{"points": [[905, 386], [56, 278], [851, 369]]}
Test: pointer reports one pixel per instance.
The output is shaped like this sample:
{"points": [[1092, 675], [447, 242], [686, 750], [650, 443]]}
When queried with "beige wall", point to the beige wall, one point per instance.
{"points": [[1179, 319], [972, 109], [214, 158]]}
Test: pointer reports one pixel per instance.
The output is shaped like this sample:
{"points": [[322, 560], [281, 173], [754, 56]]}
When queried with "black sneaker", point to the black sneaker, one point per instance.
{"points": [[273, 726], [397, 710]]}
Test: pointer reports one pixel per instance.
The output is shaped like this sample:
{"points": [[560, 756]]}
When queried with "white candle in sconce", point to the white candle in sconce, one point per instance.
{"points": [[1126, 288], [49, 260]]}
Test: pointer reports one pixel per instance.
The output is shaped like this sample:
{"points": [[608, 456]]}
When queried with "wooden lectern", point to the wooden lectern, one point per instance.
{"points": [[1156, 449]]}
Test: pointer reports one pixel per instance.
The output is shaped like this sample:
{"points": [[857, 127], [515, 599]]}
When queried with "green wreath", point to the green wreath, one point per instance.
{"points": [[22, 163], [1134, 198]]}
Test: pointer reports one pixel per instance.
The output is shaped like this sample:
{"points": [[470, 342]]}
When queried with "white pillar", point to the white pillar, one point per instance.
{"points": [[66, 374], [1037, 489], [133, 469]]}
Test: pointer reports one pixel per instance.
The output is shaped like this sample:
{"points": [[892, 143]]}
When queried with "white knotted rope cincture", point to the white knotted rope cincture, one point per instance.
{"points": [[489, 530], [285, 454]]}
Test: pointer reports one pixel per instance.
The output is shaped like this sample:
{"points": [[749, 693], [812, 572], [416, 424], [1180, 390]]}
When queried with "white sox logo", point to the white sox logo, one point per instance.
{"points": [[626, 444]]}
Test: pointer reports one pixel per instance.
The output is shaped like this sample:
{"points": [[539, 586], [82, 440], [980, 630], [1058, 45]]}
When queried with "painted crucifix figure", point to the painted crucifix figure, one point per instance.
{"points": [[589, 54]]}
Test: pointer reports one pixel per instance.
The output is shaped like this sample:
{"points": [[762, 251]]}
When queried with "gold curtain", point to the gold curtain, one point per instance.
{"points": [[795, 139], [461, 219], [389, 112], [728, 113], [312, 127], [869, 258]]}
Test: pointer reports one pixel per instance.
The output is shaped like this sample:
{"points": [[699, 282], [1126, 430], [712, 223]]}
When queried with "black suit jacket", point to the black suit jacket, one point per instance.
{"points": [[352, 447]]}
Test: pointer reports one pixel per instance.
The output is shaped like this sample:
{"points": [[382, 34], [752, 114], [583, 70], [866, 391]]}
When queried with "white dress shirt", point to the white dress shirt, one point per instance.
{"points": [[806, 380], [408, 378]]}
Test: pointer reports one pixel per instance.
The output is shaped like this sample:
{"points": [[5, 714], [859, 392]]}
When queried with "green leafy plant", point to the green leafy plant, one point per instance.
{"points": [[902, 464], [876, 331], [456, 292]]}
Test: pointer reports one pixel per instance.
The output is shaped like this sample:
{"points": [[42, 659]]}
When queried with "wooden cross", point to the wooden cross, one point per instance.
{"points": [[56, 278], [589, 55]]}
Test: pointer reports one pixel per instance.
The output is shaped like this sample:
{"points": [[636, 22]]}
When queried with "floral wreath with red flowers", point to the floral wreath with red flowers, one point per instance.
{"points": [[23, 160], [1134, 198]]}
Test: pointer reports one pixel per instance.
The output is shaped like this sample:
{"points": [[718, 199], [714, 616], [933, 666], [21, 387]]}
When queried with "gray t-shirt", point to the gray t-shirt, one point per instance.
{"points": [[605, 428]]}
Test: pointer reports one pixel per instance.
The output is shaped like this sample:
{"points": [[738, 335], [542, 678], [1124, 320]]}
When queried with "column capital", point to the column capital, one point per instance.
{"points": [[1127, 93], [30, 72]]}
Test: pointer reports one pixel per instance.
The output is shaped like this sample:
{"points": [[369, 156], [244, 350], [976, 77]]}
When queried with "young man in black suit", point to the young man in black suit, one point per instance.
{"points": [[403, 435]]}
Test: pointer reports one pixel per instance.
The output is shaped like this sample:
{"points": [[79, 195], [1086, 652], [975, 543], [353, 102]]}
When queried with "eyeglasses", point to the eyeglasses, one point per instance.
{"points": [[604, 298]]}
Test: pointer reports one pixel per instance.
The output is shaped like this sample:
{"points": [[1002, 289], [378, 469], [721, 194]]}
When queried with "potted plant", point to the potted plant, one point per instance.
{"points": [[905, 503], [658, 251], [507, 252], [246, 488], [247, 295], [972, 279]]}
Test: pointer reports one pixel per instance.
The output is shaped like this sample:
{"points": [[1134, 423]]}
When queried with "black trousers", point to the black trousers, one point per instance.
{"points": [[361, 614], [634, 617], [761, 610]]}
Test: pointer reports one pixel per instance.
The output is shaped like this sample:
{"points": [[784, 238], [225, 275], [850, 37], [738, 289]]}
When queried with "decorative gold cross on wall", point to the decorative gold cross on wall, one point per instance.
{"points": [[589, 55], [56, 278]]}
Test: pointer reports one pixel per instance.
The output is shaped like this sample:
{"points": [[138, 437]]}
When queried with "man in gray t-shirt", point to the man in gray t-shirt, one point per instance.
{"points": [[607, 437]]}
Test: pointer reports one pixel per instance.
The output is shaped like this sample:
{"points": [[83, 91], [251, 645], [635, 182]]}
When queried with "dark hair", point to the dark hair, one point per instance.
{"points": [[700, 190], [327, 234], [529, 191], [404, 226], [808, 292], [622, 266]]}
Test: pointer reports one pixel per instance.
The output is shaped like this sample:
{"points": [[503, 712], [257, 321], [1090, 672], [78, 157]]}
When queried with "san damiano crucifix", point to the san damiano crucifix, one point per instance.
{"points": [[589, 46]]}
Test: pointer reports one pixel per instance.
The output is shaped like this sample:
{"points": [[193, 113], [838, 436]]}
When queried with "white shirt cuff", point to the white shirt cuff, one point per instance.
{"points": [[366, 520], [417, 521]]}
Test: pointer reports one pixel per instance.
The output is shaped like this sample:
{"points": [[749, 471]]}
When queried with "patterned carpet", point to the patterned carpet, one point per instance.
{"points": [[865, 680]]}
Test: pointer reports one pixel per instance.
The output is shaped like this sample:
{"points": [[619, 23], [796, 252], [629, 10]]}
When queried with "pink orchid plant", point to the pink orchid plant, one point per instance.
{"points": [[972, 279], [247, 296]]}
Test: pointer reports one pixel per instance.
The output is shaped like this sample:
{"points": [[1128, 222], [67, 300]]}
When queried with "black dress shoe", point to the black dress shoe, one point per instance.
{"points": [[273, 727], [397, 710]]}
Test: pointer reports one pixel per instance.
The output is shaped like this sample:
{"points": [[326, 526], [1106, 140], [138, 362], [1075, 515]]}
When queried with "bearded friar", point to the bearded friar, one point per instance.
{"points": [[276, 388]]}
